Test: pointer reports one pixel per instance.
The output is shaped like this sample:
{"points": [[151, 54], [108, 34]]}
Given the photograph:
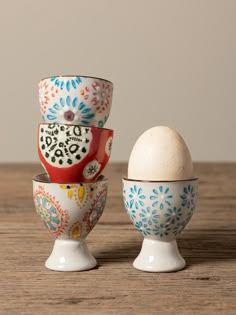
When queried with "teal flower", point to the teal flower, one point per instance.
{"points": [[143, 228], [161, 197], [173, 215], [136, 197], [161, 230], [131, 212], [178, 228], [68, 84], [69, 110], [149, 215], [188, 197]]}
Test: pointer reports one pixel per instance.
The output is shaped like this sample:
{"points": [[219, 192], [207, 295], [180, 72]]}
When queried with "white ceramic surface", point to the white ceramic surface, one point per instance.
{"points": [[160, 211], [70, 212], [70, 255], [77, 100]]}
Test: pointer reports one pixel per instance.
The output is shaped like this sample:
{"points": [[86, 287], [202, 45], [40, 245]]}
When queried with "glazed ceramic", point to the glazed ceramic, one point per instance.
{"points": [[160, 211], [69, 211], [77, 100], [73, 153]]}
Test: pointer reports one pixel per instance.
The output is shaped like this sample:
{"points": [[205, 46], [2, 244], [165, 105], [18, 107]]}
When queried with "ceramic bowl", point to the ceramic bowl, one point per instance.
{"points": [[160, 210], [73, 153], [69, 211], [77, 100]]}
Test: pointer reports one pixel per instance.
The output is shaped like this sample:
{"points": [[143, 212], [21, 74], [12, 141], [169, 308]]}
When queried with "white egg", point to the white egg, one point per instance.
{"points": [[160, 153]]}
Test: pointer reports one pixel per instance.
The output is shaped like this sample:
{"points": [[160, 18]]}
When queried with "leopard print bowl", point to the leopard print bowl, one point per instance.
{"points": [[71, 153], [69, 211]]}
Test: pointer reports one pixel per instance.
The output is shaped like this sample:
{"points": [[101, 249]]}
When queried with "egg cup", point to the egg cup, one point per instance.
{"points": [[160, 210], [76, 100], [71, 153], [69, 211]]}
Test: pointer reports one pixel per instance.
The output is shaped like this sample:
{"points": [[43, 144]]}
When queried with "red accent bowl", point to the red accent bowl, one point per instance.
{"points": [[72, 153]]}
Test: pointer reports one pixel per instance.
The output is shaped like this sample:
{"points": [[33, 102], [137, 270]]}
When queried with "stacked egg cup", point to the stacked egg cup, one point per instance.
{"points": [[73, 148], [160, 196]]}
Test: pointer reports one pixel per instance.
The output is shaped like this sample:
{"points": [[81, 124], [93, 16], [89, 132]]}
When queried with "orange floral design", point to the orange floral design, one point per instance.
{"points": [[46, 92]]}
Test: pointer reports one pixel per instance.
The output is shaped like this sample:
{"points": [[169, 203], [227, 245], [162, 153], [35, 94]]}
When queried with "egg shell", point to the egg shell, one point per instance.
{"points": [[160, 153]]}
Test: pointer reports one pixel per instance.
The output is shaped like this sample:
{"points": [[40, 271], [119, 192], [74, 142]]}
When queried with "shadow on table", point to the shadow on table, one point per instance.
{"points": [[196, 246], [202, 246], [118, 253]]}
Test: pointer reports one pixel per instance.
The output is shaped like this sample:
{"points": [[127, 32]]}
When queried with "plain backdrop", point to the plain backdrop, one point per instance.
{"points": [[172, 63]]}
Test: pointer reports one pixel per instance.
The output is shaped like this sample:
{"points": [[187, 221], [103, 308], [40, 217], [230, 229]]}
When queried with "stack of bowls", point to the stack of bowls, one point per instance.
{"points": [[73, 148]]}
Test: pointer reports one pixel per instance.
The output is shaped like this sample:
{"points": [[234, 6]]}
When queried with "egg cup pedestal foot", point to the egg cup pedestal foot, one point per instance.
{"points": [[70, 255], [159, 256]]}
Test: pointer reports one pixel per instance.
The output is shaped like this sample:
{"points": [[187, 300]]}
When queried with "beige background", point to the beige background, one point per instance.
{"points": [[172, 63]]}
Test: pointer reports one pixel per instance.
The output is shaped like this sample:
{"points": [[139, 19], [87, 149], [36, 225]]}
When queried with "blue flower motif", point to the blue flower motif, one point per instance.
{"points": [[143, 228], [131, 213], [161, 197], [68, 84], [149, 215], [178, 228], [136, 197], [69, 110], [161, 230], [101, 123], [124, 193], [188, 197], [173, 215]]}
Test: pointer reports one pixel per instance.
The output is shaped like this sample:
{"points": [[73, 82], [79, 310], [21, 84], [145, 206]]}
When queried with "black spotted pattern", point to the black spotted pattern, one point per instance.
{"points": [[63, 146]]}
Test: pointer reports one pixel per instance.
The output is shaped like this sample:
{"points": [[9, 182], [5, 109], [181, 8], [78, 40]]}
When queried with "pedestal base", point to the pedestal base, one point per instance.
{"points": [[159, 256], [70, 255]]}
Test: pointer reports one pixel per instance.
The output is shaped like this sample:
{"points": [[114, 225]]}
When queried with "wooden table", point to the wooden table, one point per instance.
{"points": [[206, 286]]}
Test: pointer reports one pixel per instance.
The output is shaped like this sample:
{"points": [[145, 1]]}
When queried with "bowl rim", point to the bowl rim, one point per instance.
{"points": [[159, 181], [36, 178], [73, 125], [75, 75]]}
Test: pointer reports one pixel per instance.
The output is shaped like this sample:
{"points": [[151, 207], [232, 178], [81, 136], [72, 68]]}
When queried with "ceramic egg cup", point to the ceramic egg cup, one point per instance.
{"points": [[160, 210], [77, 100], [72, 153], [69, 211]]}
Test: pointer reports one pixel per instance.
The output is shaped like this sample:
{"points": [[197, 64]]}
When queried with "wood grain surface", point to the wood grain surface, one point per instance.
{"points": [[206, 286]]}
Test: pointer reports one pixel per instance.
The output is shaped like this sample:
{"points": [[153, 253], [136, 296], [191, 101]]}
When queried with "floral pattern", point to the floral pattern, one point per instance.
{"points": [[152, 212], [46, 93], [131, 213], [54, 218], [136, 197], [75, 231], [173, 215], [161, 197], [75, 100], [93, 215], [161, 230], [179, 227], [108, 146], [188, 197], [101, 92], [65, 83], [143, 228], [91, 169], [70, 110], [85, 203], [149, 215]]}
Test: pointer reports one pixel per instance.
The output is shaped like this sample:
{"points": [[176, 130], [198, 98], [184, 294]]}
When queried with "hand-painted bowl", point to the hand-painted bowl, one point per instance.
{"points": [[160, 210], [69, 211], [71, 153], [76, 100]]}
